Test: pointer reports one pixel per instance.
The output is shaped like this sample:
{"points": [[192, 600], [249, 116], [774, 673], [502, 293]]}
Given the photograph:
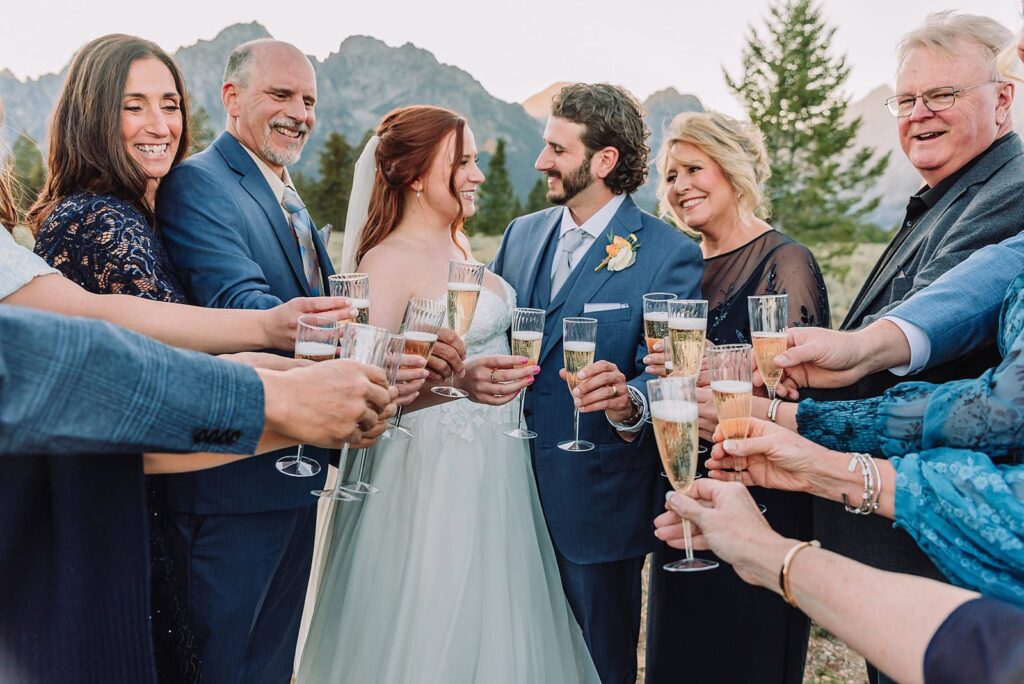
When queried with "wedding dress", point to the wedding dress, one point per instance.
{"points": [[448, 574]]}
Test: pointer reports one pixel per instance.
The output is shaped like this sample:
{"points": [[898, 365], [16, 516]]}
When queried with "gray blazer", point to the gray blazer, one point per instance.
{"points": [[983, 207]]}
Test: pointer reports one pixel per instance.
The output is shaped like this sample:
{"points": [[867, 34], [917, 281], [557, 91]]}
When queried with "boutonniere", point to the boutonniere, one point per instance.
{"points": [[621, 253]]}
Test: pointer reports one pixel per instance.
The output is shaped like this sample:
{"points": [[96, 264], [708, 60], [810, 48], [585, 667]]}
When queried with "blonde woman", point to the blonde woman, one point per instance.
{"points": [[712, 173]]}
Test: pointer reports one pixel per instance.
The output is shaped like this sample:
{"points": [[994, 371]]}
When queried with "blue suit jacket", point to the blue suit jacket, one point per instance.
{"points": [[959, 312], [232, 247], [600, 504], [79, 401]]}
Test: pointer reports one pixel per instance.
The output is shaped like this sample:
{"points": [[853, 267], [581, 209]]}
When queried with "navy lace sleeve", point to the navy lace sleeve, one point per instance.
{"points": [[104, 244]]}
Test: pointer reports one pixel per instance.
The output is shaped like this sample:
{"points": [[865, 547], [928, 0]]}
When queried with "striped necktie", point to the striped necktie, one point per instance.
{"points": [[302, 226], [563, 260]]}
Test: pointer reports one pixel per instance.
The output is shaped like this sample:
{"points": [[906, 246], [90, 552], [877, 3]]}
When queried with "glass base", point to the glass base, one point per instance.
{"points": [[690, 565], [450, 392], [334, 495], [576, 445], [297, 466], [399, 433], [359, 488], [696, 476], [518, 432]]}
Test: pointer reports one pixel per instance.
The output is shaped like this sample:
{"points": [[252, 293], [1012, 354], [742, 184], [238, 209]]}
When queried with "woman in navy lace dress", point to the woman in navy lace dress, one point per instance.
{"points": [[712, 170], [93, 223]]}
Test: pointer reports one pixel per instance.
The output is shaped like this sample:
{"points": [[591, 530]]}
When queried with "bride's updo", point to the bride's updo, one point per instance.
{"points": [[410, 138]]}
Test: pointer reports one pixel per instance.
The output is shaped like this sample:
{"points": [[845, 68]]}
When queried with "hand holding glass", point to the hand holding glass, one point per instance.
{"points": [[423, 318], [316, 339], [355, 286], [687, 326]]}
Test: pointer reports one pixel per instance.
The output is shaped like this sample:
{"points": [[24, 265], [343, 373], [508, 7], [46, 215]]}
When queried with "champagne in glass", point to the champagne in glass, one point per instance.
{"points": [[365, 344], [656, 317], [316, 339], [423, 318], [356, 287], [527, 339], [769, 317], [465, 281], [687, 325], [394, 347], [729, 366], [579, 342], [674, 414]]}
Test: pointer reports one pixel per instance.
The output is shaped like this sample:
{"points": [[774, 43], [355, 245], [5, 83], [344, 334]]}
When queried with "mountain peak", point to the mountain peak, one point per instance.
{"points": [[671, 100], [539, 105]]}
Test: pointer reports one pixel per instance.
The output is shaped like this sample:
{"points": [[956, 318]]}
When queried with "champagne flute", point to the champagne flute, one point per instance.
{"points": [[687, 326], [527, 338], [768, 319], [365, 344], [393, 349], [674, 407], [423, 318], [579, 342], [316, 339], [656, 317], [355, 286], [465, 280]]}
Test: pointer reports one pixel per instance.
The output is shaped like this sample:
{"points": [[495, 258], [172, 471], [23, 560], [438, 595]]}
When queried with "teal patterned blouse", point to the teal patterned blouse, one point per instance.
{"points": [[958, 450]]}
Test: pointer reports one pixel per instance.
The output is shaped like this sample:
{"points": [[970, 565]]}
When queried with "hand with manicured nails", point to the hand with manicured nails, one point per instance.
{"points": [[496, 380], [775, 457], [447, 357]]}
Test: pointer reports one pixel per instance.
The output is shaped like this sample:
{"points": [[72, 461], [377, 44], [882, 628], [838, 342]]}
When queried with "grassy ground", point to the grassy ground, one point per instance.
{"points": [[829, 660]]}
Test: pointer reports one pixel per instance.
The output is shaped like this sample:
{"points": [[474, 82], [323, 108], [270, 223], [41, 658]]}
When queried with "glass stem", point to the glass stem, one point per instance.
{"points": [[298, 454], [398, 418], [522, 407], [362, 464], [688, 539], [577, 420], [771, 392], [341, 469]]}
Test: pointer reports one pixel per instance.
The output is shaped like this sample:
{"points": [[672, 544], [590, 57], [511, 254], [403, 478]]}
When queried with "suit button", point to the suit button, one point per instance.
{"points": [[527, 413]]}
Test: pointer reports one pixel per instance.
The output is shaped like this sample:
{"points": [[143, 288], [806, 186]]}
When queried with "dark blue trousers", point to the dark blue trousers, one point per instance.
{"points": [[605, 598], [245, 581]]}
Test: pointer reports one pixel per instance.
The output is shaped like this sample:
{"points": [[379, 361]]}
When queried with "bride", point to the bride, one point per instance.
{"points": [[448, 574]]}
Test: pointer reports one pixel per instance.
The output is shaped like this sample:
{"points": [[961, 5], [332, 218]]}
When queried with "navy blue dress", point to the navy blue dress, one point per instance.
{"points": [[105, 244], [981, 642]]}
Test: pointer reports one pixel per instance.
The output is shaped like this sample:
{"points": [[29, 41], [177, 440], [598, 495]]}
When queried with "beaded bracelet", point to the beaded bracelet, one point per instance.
{"points": [[786, 562], [869, 499]]}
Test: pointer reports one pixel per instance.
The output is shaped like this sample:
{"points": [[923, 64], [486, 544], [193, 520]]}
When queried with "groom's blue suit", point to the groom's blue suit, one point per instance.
{"points": [[243, 533], [600, 504]]}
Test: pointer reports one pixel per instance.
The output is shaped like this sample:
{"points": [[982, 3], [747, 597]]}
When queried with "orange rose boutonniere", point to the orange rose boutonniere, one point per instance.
{"points": [[621, 253]]}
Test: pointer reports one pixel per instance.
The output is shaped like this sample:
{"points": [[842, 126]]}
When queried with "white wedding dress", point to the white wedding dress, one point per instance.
{"points": [[448, 574]]}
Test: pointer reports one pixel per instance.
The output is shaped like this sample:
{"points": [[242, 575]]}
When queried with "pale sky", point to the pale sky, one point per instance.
{"points": [[513, 48]]}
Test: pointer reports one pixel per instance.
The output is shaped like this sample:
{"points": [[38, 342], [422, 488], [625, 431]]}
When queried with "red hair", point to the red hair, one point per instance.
{"points": [[410, 138]]}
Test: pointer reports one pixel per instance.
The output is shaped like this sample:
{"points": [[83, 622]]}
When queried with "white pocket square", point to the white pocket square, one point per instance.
{"points": [[594, 307]]}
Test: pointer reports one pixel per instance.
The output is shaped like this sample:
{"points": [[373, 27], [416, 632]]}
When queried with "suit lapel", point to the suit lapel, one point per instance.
{"points": [[256, 185], [537, 281], [584, 282]]}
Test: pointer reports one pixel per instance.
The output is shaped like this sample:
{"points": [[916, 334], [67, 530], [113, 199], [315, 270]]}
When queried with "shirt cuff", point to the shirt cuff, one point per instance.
{"points": [[638, 396], [920, 347]]}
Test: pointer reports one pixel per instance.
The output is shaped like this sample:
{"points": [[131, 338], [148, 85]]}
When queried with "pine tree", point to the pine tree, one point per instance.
{"points": [[329, 201], [538, 198], [497, 202], [29, 170], [200, 131], [791, 87]]}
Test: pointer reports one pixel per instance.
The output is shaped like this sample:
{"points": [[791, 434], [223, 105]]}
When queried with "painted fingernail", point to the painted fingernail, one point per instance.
{"points": [[530, 381], [536, 370], [668, 496], [730, 444]]}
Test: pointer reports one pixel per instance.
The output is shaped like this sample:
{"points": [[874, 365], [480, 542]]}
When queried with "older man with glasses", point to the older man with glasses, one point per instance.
{"points": [[952, 111]]}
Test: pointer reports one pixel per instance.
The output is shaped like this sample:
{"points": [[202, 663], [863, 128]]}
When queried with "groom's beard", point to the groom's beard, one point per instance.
{"points": [[572, 184]]}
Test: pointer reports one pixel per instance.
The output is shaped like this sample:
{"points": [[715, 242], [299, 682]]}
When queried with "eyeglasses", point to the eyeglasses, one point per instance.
{"points": [[935, 100]]}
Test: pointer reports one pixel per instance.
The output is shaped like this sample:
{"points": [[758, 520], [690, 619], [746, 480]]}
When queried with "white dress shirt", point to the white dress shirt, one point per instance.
{"points": [[920, 346]]}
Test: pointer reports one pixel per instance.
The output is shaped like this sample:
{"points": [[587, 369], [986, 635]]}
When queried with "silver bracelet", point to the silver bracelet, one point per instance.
{"points": [[869, 500], [773, 409]]}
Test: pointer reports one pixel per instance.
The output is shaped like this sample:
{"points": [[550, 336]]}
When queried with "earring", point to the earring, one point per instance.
{"points": [[418, 193]]}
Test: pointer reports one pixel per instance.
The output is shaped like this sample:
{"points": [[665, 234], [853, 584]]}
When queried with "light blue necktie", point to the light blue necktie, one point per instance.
{"points": [[302, 226], [570, 242]]}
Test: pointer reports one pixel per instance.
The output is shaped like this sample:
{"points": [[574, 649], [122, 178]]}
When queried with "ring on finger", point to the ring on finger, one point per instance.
{"points": [[493, 381], [615, 390]]}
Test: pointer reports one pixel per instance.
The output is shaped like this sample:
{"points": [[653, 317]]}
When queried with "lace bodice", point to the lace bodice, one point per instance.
{"points": [[487, 335]]}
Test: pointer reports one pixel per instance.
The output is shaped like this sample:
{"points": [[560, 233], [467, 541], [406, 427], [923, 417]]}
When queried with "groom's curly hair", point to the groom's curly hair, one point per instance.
{"points": [[611, 117]]}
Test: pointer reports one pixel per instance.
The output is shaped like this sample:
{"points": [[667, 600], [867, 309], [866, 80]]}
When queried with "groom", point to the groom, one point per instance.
{"points": [[599, 504]]}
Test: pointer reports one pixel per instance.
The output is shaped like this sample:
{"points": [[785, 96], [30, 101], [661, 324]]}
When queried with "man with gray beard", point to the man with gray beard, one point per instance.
{"points": [[241, 536]]}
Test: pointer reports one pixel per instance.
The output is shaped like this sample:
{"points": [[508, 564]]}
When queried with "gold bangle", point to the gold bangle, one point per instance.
{"points": [[786, 562]]}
